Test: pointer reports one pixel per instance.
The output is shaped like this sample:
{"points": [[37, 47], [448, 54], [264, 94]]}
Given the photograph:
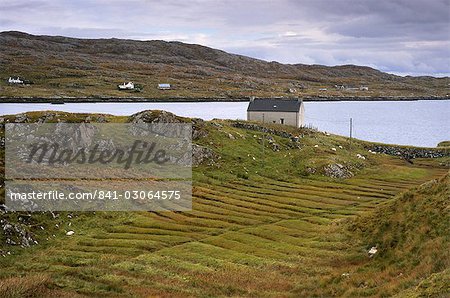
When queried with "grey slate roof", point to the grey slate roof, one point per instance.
{"points": [[273, 105]]}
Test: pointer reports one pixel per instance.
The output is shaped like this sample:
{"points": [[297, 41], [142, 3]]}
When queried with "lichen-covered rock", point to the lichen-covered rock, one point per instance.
{"points": [[157, 116], [337, 170], [96, 119], [16, 234], [21, 118], [203, 155], [46, 117]]}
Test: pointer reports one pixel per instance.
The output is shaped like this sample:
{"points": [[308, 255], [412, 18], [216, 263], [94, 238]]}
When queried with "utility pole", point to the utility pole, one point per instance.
{"points": [[264, 136], [351, 128]]}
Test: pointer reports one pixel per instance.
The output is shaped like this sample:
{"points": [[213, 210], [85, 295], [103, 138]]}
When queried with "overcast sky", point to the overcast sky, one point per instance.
{"points": [[398, 36]]}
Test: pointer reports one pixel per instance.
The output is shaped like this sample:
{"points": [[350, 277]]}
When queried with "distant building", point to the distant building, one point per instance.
{"points": [[164, 86], [126, 86], [351, 88], [281, 111], [16, 80]]}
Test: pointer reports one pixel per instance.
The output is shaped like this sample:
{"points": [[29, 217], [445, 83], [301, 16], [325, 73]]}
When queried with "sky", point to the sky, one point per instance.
{"points": [[404, 37]]}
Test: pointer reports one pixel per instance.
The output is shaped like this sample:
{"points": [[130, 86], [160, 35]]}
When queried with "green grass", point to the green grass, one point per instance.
{"points": [[444, 144], [260, 227]]}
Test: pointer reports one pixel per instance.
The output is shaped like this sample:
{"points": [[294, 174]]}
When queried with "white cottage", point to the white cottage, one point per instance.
{"points": [[126, 86], [283, 111], [164, 86], [17, 80]]}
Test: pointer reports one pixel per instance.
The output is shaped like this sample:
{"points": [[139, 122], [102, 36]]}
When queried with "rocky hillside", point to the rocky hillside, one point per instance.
{"points": [[61, 66]]}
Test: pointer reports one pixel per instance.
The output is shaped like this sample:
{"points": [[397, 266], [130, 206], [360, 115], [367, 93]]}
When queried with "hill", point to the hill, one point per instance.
{"points": [[294, 220], [61, 66]]}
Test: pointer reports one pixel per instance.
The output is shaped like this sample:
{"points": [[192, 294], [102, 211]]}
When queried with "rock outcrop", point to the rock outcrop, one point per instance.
{"points": [[157, 116], [16, 234], [203, 155], [337, 170]]}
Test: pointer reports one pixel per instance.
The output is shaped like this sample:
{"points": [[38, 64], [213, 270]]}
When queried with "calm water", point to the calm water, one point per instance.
{"points": [[419, 123]]}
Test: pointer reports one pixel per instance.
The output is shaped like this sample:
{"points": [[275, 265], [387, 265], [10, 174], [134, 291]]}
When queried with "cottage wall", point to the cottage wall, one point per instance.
{"points": [[301, 116], [290, 118]]}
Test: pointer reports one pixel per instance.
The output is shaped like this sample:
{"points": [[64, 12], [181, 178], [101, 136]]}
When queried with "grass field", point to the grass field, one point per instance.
{"points": [[261, 226]]}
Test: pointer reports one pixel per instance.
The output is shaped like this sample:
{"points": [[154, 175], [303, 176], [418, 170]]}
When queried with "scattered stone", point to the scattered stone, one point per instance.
{"points": [[363, 285], [70, 233], [360, 156], [334, 149], [217, 124], [311, 170], [241, 135], [372, 251]]}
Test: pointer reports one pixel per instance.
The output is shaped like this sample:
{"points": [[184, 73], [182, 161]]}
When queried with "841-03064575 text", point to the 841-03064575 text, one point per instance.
{"points": [[98, 195]]}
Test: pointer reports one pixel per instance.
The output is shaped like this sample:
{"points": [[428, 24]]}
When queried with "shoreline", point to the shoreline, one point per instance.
{"points": [[61, 100]]}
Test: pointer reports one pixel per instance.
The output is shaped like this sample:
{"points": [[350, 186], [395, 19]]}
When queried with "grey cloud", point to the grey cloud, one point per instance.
{"points": [[402, 36], [21, 5]]}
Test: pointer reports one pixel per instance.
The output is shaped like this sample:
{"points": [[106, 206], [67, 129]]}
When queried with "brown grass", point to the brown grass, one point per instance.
{"points": [[30, 286]]}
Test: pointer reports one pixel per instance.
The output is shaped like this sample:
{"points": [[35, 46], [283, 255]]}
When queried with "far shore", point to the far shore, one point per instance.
{"points": [[205, 99]]}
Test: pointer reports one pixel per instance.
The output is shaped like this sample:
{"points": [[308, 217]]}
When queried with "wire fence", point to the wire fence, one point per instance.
{"points": [[348, 122]]}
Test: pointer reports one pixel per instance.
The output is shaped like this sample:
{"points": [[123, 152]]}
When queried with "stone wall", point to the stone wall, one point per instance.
{"points": [[409, 152], [255, 127]]}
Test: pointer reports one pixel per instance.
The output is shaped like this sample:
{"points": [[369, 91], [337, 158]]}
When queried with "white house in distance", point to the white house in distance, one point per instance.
{"points": [[164, 86], [17, 80], [126, 86], [282, 111]]}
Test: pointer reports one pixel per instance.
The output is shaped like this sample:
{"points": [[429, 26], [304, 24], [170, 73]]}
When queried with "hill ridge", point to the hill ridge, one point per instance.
{"points": [[93, 67]]}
